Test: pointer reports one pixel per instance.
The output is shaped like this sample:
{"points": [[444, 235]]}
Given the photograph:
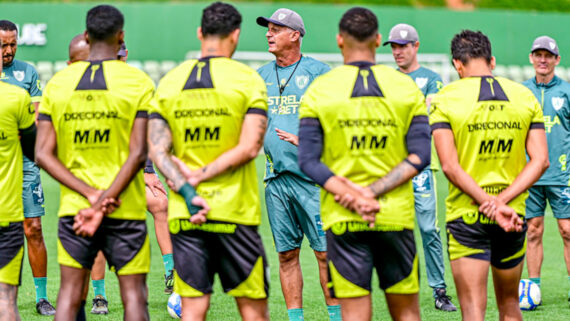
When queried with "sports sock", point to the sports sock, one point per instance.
{"points": [[99, 288], [334, 312], [41, 288], [536, 280], [295, 314], [168, 261], [81, 313]]}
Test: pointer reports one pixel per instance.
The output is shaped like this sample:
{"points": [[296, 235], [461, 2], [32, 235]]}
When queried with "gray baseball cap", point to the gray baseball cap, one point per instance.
{"points": [[402, 34], [545, 43], [284, 17]]}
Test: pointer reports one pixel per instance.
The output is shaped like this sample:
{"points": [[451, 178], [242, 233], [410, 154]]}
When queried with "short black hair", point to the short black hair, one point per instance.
{"points": [[360, 23], [220, 19], [6, 25], [103, 22], [470, 44]]}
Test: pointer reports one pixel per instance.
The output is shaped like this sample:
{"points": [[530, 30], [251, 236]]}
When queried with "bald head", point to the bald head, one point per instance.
{"points": [[78, 49]]}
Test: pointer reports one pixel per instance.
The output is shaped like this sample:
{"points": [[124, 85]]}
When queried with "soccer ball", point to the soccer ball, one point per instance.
{"points": [[529, 295], [174, 306]]}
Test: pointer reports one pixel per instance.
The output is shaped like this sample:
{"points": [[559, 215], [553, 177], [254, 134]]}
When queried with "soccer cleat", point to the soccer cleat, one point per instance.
{"points": [[169, 282], [43, 307], [443, 301], [100, 305]]}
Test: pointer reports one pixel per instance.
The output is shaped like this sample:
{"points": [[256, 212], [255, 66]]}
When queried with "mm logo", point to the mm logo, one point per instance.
{"points": [[368, 142], [209, 133], [495, 146], [91, 136]]}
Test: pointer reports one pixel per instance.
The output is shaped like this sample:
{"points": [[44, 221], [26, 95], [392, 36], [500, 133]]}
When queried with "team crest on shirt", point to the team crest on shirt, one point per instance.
{"points": [[302, 81], [19, 75], [421, 82], [557, 102]]}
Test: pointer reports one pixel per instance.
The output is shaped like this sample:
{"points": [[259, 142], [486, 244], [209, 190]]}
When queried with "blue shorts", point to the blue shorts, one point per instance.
{"points": [[425, 198], [293, 208], [557, 196], [33, 194]]}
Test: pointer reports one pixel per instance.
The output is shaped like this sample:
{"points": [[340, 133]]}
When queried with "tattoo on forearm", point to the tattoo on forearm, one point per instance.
{"points": [[160, 145], [393, 179]]}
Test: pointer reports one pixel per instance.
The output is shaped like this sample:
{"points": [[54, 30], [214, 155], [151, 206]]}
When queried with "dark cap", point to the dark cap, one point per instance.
{"points": [[123, 51], [402, 34], [284, 17], [545, 43]]}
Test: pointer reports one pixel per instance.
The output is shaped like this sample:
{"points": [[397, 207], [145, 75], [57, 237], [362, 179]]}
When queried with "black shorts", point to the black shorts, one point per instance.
{"points": [[233, 251], [11, 253], [124, 243], [352, 256], [475, 236]]}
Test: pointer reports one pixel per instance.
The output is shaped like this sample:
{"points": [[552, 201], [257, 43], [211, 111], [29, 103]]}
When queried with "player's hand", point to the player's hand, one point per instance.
{"points": [[87, 221], [508, 219], [360, 200], [288, 137], [488, 208], [154, 184], [200, 216], [193, 177]]}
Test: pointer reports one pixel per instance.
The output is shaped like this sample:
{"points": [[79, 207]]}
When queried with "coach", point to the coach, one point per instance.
{"points": [[292, 198]]}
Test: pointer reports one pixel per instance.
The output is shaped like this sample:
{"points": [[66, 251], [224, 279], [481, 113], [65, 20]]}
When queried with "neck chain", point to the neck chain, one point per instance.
{"points": [[282, 86]]}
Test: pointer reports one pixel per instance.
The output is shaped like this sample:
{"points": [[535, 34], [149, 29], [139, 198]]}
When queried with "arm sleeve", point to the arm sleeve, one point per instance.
{"points": [[418, 141], [28, 141], [310, 151]]}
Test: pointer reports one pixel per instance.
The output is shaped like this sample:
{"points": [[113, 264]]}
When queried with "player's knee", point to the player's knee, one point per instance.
{"points": [[565, 233], [33, 230], [289, 257], [534, 232]]}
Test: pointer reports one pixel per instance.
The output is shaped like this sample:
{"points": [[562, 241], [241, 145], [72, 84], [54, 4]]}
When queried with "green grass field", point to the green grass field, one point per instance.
{"points": [[554, 281]]}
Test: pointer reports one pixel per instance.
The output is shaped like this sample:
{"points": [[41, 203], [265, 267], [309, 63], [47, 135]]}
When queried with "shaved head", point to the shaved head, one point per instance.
{"points": [[78, 49]]}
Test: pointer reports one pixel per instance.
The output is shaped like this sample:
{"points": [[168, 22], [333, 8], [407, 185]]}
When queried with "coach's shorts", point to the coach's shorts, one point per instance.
{"points": [[233, 251], [11, 252], [557, 196], [33, 194], [352, 255], [124, 243], [475, 236], [293, 208]]}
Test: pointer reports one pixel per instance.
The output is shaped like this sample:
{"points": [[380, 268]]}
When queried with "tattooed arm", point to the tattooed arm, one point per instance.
{"points": [[250, 141], [400, 174], [160, 144]]}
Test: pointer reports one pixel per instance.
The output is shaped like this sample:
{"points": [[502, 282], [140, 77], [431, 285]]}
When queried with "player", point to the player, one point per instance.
{"points": [[482, 126], [16, 120], [553, 94], [404, 42], [211, 115], [157, 204], [23, 75], [368, 124], [292, 198], [92, 127]]}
